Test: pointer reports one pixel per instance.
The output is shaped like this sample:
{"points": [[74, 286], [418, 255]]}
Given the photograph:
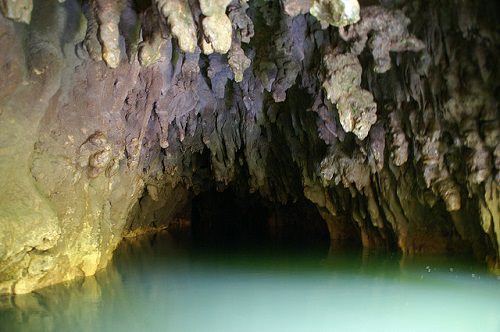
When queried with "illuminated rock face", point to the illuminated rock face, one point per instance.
{"points": [[338, 13], [114, 115], [17, 10]]}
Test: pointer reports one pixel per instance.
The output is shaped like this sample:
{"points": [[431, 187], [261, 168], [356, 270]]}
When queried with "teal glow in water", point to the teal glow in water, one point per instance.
{"points": [[155, 284]]}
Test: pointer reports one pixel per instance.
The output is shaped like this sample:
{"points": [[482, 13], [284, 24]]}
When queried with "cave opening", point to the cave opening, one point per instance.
{"points": [[234, 219], [246, 165]]}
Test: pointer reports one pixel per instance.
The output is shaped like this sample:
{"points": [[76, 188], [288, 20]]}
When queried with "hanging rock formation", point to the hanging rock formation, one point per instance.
{"points": [[114, 115]]}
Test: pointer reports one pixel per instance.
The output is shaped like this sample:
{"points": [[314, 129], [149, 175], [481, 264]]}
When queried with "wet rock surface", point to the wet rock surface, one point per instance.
{"points": [[115, 114]]}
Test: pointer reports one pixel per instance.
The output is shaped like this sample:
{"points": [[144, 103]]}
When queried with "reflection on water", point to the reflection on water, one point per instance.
{"points": [[156, 284]]}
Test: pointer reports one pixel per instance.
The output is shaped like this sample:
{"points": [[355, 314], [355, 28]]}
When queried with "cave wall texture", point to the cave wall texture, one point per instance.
{"points": [[115, 114]]}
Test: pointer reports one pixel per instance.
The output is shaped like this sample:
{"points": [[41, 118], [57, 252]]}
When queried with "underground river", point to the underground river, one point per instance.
{"points": [[163, 283]]}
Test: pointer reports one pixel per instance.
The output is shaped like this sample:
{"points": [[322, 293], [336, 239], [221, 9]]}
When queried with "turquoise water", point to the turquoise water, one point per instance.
{"points": [[158, 284]]}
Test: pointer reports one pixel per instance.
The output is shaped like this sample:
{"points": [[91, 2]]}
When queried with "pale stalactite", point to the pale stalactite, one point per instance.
{"points": [[338, 13], [107, 13], [180, 20], [217, 27]]}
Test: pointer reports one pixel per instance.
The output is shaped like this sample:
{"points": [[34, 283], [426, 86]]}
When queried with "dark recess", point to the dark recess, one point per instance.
{"points": [[229, 219]]}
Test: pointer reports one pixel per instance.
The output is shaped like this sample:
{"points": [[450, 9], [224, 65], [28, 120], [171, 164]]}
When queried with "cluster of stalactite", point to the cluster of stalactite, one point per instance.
{"points": [[384, 116], [212, 25], [424, 156]]}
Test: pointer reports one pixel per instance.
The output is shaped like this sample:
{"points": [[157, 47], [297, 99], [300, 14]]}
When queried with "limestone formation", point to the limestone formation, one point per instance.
{"points": [[338, 13], [384, 31], [108, 14], [296, 7], [389, 125], [217, 27], [180, 20], [356, 107], [154, 40], [17, 10]]}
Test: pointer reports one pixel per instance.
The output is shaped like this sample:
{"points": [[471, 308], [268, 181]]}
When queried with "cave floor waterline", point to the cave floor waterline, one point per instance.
{"points": [[161, 282]]}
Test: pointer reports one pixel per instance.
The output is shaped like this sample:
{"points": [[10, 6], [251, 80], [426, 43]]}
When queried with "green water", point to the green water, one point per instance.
{"points": [[157, 284]]}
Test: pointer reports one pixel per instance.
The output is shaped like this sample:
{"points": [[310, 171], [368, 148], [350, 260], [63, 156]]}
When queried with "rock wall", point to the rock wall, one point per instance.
{"points": [[114, 114]]}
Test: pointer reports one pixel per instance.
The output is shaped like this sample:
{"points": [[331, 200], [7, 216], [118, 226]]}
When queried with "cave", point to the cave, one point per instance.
{"points": [[230, 220], [223, 218], [246, 139]]}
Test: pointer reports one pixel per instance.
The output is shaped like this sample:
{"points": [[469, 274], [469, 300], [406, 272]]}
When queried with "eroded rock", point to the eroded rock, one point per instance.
{"points": [[338, 13], [17, 10], [384, 31], [92, 153], [180, 20], [356, 107], [216, 25]]}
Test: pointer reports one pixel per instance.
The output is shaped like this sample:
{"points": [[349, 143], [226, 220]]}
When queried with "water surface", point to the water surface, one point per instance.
{"points": [[158, 284]]}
